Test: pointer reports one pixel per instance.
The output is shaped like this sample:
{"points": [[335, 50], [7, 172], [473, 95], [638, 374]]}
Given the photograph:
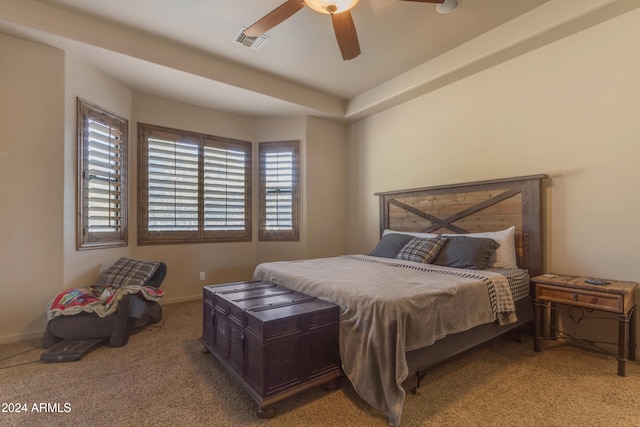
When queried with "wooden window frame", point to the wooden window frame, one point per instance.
{"points": [[118, 216], [202, 233], [264, 233]]}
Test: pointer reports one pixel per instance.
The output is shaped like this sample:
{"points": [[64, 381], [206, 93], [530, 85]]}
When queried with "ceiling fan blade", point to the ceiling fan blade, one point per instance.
{"points": [[273, 18], [346, 35], [426, 1]]}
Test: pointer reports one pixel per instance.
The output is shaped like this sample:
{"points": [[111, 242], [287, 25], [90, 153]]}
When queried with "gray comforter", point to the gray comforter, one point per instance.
{"points": [[389, 307]]}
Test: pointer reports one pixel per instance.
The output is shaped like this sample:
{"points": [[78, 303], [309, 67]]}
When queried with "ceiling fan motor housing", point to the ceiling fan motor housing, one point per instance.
{"points": [[330, 7]]}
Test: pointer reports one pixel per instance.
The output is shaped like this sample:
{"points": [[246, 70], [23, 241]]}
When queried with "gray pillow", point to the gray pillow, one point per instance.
{"points": [[473, 253], [390, 245]]}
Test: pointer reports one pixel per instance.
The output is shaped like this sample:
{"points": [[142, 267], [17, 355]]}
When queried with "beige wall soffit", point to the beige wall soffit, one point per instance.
{"points": [[546, 24], [58, 22]]}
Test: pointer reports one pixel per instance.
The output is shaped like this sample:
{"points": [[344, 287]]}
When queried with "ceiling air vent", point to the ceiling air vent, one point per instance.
{"points": [[254, 43]]}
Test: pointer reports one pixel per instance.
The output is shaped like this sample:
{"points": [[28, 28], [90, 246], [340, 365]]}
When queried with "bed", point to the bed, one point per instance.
{"points": [[419, 299]]}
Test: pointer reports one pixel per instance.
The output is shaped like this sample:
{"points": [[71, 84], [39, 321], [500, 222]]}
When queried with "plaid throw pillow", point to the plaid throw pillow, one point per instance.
{"points": [[127, 271], [421, 250]]}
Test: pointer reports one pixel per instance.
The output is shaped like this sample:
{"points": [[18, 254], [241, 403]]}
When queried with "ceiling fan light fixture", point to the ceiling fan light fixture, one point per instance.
{"points": [[448, 6], [328, 7]]}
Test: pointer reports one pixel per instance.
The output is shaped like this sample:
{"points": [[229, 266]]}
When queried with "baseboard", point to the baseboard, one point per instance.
{"points": [[164, 300], [28, 336], [9, 339]]}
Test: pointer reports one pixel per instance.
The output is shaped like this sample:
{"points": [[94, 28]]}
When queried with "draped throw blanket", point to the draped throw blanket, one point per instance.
{"points": [[102, 300], [498, 287], [389, 307]]}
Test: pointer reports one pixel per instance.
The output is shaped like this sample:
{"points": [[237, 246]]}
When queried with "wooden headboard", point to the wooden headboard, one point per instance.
{"points": [[473, 207]]}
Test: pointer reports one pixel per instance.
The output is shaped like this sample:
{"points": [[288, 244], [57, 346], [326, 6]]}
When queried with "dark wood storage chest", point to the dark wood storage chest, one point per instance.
{"points": [[276, 342]]}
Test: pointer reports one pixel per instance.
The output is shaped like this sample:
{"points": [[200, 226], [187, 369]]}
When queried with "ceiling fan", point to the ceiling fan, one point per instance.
{"points": [[339, 10]]}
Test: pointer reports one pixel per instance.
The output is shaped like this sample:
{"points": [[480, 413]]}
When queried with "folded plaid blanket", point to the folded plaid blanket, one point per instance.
{"points": [[102, 300]]}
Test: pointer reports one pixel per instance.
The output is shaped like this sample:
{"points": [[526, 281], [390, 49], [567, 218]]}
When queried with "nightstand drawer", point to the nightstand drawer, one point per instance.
{"points": [[593, 300]]}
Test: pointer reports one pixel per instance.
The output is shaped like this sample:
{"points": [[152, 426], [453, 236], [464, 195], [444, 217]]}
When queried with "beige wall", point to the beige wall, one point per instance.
{"points": [[84, 81], [327, 177], [323, 193], [221, 262], [283, 129], [31, 183], [227, 262], [569, 110], [38, 255]]}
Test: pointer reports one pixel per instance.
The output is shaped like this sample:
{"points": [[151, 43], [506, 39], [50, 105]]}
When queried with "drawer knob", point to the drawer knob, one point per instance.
{"points": [[575, 297]]}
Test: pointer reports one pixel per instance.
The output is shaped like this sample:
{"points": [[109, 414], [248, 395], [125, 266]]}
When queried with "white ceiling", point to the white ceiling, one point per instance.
{"points": [[183, 49]]}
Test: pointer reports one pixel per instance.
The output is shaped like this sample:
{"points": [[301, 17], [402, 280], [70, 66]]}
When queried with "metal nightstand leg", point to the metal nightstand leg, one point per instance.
{"points": [[632, 332], [626, 339], [623, 322]]}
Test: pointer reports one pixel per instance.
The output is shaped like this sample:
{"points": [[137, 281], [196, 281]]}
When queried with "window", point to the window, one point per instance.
{"points": [[192, 187], [102, 178], [278, 188]]}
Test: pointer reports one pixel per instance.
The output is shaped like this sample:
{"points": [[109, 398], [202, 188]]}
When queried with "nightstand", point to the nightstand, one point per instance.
{"points": [[614, 297]]}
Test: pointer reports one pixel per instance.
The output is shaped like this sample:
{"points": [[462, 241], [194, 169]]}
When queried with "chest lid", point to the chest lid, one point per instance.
{"points": [[257, 296], [267, 301]]}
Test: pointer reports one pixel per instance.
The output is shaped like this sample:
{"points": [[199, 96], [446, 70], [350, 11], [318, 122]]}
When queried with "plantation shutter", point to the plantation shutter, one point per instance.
{"points": [[225, 187], [173, 185], [102, 172], [193, 187], [279, 190]]}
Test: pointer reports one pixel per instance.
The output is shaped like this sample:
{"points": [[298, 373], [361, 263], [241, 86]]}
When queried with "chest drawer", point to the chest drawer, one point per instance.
{"points": [[581, 298]]}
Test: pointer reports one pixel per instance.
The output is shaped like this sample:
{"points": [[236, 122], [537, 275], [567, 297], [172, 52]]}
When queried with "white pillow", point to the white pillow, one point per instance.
{"points": [[411, 233], [506, 253]]}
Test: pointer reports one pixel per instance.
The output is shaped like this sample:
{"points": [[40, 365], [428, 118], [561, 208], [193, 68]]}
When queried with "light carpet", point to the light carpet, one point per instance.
{"points": [[162, 378]]}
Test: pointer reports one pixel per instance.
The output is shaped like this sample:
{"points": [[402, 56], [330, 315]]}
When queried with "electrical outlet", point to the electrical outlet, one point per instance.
{"points": [[202, 275]]}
